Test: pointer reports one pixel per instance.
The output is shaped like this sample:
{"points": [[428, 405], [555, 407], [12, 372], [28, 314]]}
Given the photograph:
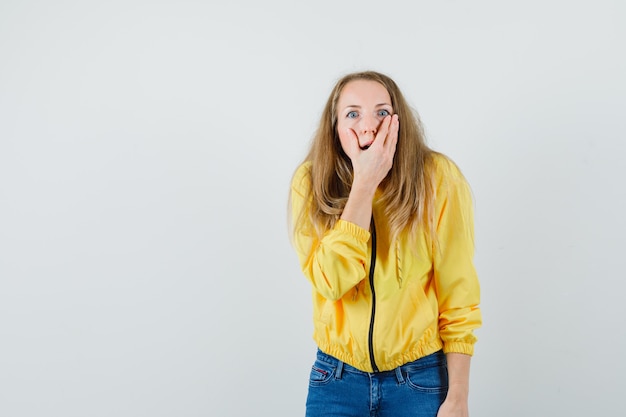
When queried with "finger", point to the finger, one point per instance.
{"points": [[394, 129], [392, 137], [382, 133]]}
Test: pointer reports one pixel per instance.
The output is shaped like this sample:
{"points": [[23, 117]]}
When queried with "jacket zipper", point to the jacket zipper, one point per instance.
{"points": [[372, 265]]}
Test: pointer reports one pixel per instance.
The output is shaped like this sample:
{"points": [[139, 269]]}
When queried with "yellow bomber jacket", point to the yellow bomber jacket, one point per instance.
{"points": [[424, 299]]}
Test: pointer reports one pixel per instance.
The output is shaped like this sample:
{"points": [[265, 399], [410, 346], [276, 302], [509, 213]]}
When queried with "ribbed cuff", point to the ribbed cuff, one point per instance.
{"points": [[458, 347], [356, 231]]}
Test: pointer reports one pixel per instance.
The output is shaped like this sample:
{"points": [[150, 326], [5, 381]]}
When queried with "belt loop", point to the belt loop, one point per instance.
{"points": [[339, 370], [399, 376]]}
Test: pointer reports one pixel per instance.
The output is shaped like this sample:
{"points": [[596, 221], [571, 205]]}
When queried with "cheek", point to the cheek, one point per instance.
{"points": [[343, 138], [341, 128]]}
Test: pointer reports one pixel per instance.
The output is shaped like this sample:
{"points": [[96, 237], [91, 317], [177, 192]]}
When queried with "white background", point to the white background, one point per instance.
{"points": [[146, 149]]}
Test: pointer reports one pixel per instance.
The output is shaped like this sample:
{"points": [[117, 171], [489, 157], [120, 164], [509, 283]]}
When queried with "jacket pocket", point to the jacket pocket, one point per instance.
{"points": [[414, 308]]}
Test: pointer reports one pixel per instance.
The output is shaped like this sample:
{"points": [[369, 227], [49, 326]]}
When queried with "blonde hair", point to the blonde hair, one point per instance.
{"points": [[407, 191]]}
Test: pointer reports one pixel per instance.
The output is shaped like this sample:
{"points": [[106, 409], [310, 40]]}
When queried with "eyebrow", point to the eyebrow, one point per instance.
{"points": [[358, 107]]}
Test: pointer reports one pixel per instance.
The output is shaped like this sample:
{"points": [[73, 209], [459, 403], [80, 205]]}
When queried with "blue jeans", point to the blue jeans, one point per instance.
{"points": [[415, 389]]}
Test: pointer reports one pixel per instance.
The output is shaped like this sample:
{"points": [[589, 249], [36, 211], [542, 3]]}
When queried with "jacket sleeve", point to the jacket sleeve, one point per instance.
{"points": [[456, 281], [335, 263]]}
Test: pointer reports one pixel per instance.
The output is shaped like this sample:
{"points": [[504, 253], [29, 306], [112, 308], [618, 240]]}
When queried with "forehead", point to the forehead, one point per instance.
{"points": [[359, 92]]}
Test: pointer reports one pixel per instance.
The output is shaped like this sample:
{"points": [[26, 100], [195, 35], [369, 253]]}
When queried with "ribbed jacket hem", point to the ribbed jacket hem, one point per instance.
{"points": [[364, 365]]}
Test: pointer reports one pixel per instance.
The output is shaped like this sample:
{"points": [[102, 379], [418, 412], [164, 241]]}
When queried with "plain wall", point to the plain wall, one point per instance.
{"points": [[146, 149]]}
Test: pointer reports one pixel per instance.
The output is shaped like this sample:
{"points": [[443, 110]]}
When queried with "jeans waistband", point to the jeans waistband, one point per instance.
{"points": [[433, 359]]}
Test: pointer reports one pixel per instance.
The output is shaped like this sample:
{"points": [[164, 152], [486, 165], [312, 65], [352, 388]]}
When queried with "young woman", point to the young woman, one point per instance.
{"points": [[383, 229]]}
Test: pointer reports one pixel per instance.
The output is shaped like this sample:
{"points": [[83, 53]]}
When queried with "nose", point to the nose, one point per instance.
{"points": [[369, 124]]}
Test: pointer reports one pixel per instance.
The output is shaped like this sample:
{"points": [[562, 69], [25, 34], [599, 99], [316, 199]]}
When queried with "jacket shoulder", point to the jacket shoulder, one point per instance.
{"points": [[445, 169], [301, 180]]}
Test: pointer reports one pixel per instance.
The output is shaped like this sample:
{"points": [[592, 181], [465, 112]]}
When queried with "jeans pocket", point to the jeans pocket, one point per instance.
{"points": [[431, 379], [321, 373]]}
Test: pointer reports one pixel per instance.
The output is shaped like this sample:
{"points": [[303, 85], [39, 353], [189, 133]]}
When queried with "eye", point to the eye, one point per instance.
{"points": [[352, 115], [383, 113]]}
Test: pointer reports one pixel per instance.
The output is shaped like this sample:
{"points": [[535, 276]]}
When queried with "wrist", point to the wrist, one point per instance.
{"points": [[457, 394], [363, 188]]}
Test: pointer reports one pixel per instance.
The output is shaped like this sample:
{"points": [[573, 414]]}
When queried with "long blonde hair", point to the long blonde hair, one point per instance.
{"points": [[407, 191]]}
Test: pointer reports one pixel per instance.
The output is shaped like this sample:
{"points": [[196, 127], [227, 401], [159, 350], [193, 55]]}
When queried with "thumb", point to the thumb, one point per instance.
{"points": [[352, 144]]}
